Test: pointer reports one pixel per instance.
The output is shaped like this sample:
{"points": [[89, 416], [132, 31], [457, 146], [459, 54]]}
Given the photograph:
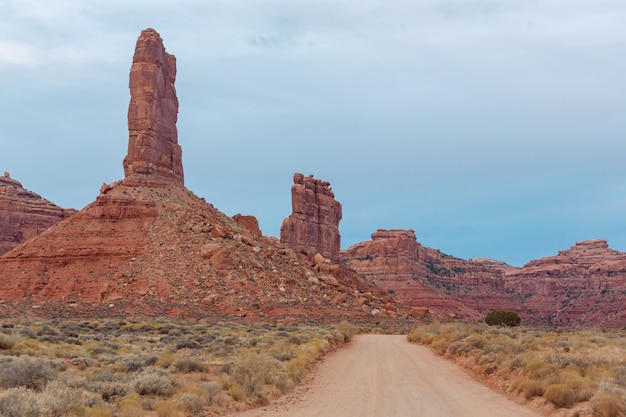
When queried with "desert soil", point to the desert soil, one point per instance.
{"points": [[386, 376]]}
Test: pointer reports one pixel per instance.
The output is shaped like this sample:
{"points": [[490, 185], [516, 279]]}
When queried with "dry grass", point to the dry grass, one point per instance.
{"points": [[565, 367], [119, 368]]}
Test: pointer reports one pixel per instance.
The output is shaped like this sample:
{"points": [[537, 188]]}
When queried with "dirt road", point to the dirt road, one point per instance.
{"points": [[385, 376]]}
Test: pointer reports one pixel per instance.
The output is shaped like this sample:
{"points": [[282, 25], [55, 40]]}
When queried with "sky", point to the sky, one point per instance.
{"points": [[492, 128]]}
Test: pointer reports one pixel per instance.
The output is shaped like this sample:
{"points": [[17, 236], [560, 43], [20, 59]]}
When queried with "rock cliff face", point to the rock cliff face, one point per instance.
{"points": [[153, 148], [313, 226], [24, 214], [425, 277], [584, 285], [148, 246]]}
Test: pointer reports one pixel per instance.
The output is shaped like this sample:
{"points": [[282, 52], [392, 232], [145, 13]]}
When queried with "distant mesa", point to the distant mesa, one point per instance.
{"points": [[153, 148], [24, 214], [584, 285]]}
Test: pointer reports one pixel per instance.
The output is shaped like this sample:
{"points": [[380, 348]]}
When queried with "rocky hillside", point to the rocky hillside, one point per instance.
{"points": [[149, 246], [585, 285], [24, 214]]}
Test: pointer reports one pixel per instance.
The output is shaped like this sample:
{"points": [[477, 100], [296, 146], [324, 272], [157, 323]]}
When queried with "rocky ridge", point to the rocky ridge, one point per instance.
{"points": [[24, 214], [581, 286]]}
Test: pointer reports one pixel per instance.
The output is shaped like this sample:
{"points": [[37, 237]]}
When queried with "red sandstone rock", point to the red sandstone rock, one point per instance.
{"points": [[313, 226], [249, 222], [149, 246], [585, 285], [24, 214], [153, 138]]}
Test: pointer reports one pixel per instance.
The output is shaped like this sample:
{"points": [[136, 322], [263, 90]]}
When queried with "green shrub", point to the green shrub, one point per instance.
{"points": [[503, 318]]}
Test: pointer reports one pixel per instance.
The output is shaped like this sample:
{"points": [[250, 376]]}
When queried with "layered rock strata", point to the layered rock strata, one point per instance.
{"points": [[313, 226], [153, 148], [585, 285], [24, 214]]}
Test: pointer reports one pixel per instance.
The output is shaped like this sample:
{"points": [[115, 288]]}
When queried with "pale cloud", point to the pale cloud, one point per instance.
{"points": [[17, 54], [473, 122]]}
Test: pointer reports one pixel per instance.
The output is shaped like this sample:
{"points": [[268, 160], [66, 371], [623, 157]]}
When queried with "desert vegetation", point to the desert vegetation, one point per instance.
{"points": [[583, 370], [126, 369]]}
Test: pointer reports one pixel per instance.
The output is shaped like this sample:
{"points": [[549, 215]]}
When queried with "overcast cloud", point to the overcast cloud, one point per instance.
{"points": [[492, 128]]}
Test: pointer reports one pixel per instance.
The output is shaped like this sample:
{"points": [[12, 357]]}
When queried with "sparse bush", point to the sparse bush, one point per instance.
{"points": [[112, 390], [560, 395], [167, 408], [502, 318], [254, 370], [607, 405], [26, 371], [153, 381], [130, 406], [56, 400], [532, 388], [187, 365], [6, 342]]}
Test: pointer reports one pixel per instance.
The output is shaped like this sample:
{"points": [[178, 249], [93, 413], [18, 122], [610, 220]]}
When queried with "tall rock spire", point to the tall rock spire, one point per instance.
{"points": [[313, 226], [153, 148]]}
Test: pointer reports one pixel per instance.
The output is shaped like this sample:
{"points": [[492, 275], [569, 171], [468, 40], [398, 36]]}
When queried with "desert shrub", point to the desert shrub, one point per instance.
{"points": [[466, 345], [153, 381], [167, 408], [532, 388], [253, 370], [187, 365], [130, 406], [211, 390], [607, 405], [609, 401], [112, 390], [26, 371], [56, 400], [538, 368], [6, 342], [560, 395], [133, 363], [18, 402], [502, 318]]}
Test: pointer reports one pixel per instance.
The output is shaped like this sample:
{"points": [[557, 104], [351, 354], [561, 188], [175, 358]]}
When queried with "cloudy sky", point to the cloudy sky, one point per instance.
{"points": [[493, 128]]}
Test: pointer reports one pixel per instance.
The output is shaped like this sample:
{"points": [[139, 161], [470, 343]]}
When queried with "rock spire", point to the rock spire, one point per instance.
{"points": [[153, 148], [313, 226]]}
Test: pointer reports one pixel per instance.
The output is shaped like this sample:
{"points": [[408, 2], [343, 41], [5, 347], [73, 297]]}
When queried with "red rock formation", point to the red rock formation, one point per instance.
{"points": [[313, 226], [585, 285], [249, 222], [424, 277], [149, 246], [153, 139], [24, 214]]}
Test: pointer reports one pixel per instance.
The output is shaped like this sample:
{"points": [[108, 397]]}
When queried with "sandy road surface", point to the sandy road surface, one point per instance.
{"points": [[385, 376]]}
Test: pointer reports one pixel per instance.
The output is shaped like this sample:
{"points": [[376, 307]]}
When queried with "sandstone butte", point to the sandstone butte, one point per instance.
{"points": [[585, 285], [148, 246], [24, 214]]}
